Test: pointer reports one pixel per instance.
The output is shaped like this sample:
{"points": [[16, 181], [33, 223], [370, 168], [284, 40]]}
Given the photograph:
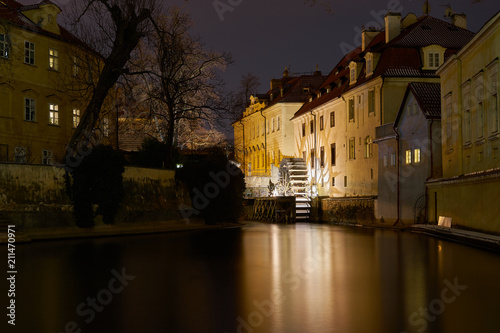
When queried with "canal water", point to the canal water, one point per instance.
{"points": [[260, 278]]}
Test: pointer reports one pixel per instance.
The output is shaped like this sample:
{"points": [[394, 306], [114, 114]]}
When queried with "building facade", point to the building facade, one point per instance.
{"points": [[42, 70], [264, 134], [364, 91], [470, 135], [409, 155]]}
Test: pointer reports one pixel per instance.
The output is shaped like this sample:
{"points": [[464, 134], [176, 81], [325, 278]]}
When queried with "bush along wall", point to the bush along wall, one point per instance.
{"points": [[215, 186], [96, 186]]}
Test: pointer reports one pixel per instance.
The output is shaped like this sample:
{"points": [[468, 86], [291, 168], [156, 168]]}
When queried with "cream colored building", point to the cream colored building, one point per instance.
{"points": [[365, 90], [264, 134], [470, 119]]}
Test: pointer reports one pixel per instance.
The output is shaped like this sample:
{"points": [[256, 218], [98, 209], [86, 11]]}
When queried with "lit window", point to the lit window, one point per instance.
{"points": [[416, 155], [408, 156], [29, 109], [393, 159], [53, 59], [53, 114], [76, 117], [29, 53], [4, 46]]}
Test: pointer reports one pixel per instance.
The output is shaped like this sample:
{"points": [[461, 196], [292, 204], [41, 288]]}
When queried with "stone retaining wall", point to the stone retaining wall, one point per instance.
{"points": [[34, 196]]}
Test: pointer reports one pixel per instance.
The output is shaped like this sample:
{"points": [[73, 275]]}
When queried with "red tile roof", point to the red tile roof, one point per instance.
{"points": [[398, 58]]}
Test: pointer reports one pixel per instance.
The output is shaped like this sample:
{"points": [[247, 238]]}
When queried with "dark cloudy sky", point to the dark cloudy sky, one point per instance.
{"points": [[264, 36]]}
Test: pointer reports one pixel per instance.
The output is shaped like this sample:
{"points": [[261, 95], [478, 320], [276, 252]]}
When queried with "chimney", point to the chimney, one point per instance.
{"points": [[317, 72], [367, 37], [459, 20], [392, 26], [275, 83]]}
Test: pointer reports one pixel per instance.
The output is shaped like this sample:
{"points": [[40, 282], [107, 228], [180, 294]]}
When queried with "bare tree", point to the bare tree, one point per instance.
{"points": [[239, 100], [180, 76], [113, 28]]}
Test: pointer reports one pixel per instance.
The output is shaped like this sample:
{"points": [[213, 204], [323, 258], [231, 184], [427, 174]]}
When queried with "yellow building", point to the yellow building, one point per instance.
{"points": [[264, 134], [335, 130], [41, 67], [470, 119]]}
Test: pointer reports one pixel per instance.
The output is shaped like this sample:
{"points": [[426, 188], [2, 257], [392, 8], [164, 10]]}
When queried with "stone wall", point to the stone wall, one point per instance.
{"points": [[34, 196], [349, 210]]}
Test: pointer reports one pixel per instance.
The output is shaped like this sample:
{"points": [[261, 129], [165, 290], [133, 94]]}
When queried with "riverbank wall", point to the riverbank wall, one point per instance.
{"points": [[34, 196]]}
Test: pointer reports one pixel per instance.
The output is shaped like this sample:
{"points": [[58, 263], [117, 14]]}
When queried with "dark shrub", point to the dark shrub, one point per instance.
{"points": [[216, 187], [98, 180]]}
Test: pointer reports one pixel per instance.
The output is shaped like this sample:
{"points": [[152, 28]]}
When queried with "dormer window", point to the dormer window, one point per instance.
{"points": [[328, 90], [369, 63], [353, 72], [433, 59], [433, 56]]}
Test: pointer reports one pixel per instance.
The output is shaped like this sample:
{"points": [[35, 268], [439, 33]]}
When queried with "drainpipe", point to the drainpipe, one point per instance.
{"points": [[244, 151], [315, 148], [395, 129], [265, 140], [431, 173]]}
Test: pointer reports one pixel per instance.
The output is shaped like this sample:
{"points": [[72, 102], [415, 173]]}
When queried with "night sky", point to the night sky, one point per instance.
{"points": [[264, 36]]}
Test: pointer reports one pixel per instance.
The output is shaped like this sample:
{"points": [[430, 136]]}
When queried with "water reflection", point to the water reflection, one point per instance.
{"points": [[262, 278]]}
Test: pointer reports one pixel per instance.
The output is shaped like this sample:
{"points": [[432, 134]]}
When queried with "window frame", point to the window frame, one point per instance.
{"points": [[351, 110], [5, 46], [332, 119], [32, 109], [29, 53], [53, 59], [54, 114]]}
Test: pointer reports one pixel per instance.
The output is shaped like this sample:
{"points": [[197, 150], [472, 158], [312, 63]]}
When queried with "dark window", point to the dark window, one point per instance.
{"points": [[332, 119], [303, 129], [322, 156], [312, 126], [333, 152], [351, 110], [312, 159], [321, 123]]}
